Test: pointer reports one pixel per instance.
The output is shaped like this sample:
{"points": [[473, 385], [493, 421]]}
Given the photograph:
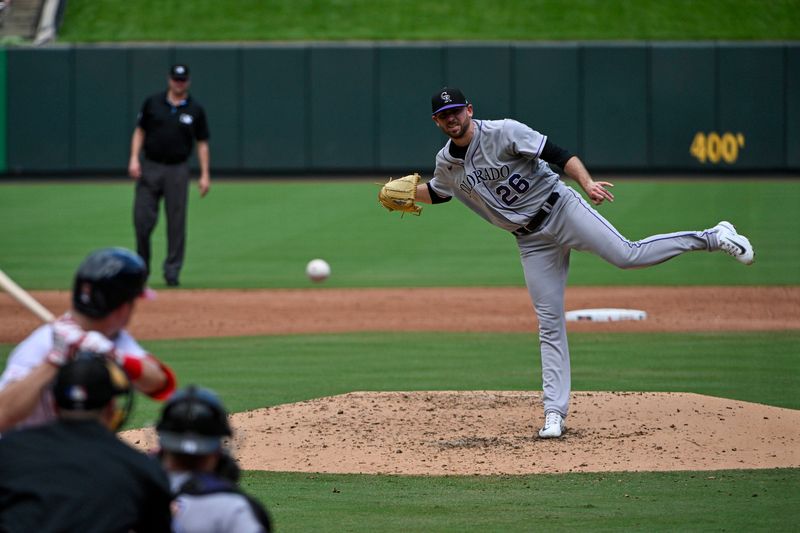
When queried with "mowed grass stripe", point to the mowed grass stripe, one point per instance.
{"points": [[255, 372], [742, 500], [262, 234]]}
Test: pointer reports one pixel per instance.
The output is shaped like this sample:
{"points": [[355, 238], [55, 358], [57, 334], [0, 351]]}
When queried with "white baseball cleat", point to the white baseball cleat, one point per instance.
{"points": [[734, 244], [554, 426]]}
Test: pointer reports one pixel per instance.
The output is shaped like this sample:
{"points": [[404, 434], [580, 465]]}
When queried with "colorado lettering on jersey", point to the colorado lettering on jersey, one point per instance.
{"points": [[480, 175]]}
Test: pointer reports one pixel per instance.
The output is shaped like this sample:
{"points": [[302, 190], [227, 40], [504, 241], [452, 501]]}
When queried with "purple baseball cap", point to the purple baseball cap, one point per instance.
{"points": [[446, 98]]}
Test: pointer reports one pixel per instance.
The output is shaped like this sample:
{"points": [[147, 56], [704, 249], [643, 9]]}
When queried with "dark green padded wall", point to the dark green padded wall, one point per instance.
{"points": [[483, 72], [793, 106], [546, 84], [100, 106], [216, 83], [615, 112], [752, 102], [365, 108], [40, 109], [343, 123], [147, 74], [274, 108], [682, 81], [407, 78]]}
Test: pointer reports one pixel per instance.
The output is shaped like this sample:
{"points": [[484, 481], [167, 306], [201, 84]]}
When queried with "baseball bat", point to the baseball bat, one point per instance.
{"points": [[22, 296]]}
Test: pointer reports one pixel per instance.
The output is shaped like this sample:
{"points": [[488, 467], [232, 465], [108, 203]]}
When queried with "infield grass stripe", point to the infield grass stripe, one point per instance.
{"points": [[258, 20], [255, 372], [741, 500], [262, 234]]}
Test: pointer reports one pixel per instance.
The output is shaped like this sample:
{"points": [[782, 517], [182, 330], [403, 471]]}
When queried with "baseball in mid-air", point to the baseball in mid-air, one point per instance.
{"points": [[318, 270]]}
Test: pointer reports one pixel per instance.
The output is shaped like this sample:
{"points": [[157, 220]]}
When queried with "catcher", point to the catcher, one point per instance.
{"points": [[501, 169]]}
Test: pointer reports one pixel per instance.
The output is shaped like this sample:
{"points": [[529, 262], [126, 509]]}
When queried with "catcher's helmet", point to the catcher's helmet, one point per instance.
{"points": [[193, 422], [106, 279], [89, 382]]}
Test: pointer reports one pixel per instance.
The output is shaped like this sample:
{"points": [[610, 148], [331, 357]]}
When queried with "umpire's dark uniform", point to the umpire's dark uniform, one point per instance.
{"points": [[169, 134], [78, 476]]}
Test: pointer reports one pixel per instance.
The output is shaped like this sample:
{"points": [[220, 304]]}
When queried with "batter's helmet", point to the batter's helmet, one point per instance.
{"points": [[193, 422], [89, 382], [106, 279]]}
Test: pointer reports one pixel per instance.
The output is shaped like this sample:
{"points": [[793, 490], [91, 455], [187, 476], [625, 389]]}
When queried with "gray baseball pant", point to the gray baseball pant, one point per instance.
{"points": [[575, 225], [172, 183]]}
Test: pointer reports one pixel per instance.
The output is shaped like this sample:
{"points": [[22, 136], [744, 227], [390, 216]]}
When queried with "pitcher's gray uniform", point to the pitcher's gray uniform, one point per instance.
{"points": [[503, 179]]}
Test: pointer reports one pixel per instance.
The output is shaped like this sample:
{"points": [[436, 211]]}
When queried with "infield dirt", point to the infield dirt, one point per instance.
{"points": [[477, 432]]}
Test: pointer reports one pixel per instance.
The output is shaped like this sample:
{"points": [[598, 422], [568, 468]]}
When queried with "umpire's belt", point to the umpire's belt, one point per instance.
{"points": [[166, 160], [539, 217]]}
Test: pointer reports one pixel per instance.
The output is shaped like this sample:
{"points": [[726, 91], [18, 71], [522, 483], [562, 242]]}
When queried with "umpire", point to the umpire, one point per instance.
{"points": [[74, 474], [167, 126]]}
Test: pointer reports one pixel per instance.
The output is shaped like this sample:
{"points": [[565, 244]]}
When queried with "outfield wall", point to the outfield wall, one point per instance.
{"points": [[364, 108]]}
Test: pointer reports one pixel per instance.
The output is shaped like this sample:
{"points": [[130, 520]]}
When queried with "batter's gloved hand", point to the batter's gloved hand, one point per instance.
{"points": [[69, 339], [400, 194]]}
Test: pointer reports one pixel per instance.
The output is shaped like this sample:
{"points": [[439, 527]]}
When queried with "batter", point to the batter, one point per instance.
{"points": [[501, 170]]}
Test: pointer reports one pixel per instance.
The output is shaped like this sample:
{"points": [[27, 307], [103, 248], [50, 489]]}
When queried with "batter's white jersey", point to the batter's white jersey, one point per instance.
{"points": [[501, 178], [33, 351]]}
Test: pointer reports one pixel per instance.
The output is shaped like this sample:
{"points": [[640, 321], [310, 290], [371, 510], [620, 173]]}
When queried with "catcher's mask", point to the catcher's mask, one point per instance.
{"points": [[89, 383], [106, 279], [193, 422]]}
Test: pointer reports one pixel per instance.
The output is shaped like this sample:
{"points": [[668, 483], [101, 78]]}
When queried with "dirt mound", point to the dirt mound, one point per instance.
{"points": [[491, 432]]}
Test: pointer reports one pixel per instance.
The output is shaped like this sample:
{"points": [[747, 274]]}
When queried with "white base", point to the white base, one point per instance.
{"points": [[604, 315]]}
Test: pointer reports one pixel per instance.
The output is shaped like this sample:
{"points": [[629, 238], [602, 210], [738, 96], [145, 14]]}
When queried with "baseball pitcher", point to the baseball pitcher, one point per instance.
{"points": [[501, 169]]}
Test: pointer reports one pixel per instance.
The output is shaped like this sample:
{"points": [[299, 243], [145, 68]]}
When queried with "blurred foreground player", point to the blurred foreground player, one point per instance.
{"points": [[106, 286], [74, 474]]}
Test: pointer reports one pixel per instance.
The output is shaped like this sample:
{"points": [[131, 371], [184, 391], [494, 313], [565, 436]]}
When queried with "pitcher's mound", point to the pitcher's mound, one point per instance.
{"points": [[494, 432]]}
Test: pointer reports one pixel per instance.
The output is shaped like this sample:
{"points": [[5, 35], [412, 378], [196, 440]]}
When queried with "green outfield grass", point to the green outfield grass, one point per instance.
{"points": [[279, 20], [261, 234]]}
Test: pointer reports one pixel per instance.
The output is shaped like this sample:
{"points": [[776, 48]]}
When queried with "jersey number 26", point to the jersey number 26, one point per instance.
{"points": [[506, 191]]}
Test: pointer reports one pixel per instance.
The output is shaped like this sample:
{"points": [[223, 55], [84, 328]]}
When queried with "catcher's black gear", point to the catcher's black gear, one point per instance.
{"points": [[193, 422], [106, 279], [228, 468]]}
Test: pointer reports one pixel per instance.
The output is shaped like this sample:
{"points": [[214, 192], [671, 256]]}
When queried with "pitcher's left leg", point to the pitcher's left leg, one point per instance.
{"points": [[546, 265]]}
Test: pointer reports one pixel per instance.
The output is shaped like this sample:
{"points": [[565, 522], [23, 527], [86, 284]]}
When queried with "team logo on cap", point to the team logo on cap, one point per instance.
{"points": [[180, 71], [446, 98], [77, 394], [86, 292]]}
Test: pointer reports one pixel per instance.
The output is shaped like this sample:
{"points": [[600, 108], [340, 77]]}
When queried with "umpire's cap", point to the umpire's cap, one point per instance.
{"points": [[89, 382], [106, 279], [193, 422]]}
